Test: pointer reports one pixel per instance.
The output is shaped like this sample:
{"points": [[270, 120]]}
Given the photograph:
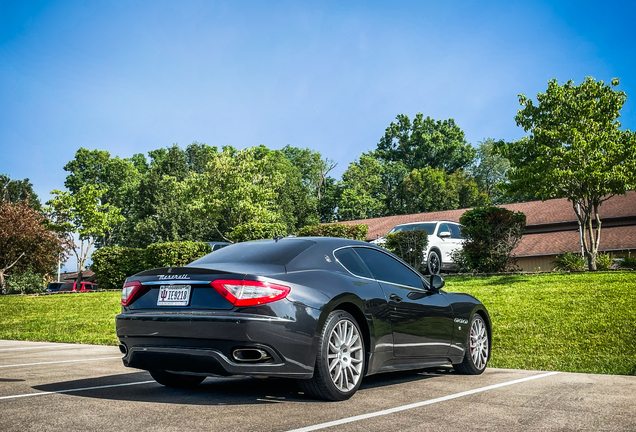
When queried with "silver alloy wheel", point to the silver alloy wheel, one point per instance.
{"points": [[345, 355], [479, 343]]}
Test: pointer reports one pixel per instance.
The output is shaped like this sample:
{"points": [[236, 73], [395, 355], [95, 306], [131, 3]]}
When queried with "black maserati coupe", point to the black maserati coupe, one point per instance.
{"points": [[326, 311]]}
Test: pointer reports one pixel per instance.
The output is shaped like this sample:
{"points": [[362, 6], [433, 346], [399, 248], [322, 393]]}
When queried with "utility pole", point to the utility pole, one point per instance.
{"points": [[59, 265]]}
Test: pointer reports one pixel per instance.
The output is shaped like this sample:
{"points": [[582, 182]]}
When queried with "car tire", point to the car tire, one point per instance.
{"points": [[173, 380], [478, 348], [340, 360], [434, 263]]}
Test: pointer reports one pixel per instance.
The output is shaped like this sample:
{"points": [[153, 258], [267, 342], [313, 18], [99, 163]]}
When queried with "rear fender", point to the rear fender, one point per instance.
{"points": [[355, 306]]}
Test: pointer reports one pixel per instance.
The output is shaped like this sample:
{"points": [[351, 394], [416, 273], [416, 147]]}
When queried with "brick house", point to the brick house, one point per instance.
{"points": [[551, 228]]}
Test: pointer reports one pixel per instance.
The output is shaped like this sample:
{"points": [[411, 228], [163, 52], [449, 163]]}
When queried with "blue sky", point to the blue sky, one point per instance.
{"points": [[129, 77]]}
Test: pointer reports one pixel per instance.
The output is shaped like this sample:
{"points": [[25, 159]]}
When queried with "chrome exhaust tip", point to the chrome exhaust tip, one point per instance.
{"points": [[124, 349], [251, 355]]}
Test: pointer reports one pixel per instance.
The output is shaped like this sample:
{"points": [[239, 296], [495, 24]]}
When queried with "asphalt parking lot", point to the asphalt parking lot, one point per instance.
{"points": [[46, 386]]}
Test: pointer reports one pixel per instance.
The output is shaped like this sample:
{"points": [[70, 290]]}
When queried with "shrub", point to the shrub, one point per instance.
{"points": [[258, 231], [604, 261], [408, 245], [354, 232], [28, 282], [569, 261], [460, 262], [491, 234], [174, 254], [629, 261], [112, 265]]}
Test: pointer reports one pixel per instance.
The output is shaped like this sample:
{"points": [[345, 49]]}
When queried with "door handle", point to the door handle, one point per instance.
{"points": [[396, 298]]}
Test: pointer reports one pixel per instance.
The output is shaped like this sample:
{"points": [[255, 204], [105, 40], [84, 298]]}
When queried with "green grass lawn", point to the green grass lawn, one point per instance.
{"points": [[75, 318], [581, 322]]}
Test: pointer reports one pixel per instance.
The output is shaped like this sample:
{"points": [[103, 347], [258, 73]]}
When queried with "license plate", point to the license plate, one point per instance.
{"points": [[174, 295]]}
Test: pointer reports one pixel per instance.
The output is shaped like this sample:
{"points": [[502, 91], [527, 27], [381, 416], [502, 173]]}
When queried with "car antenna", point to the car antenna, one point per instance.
{"points": [[278, 237]]}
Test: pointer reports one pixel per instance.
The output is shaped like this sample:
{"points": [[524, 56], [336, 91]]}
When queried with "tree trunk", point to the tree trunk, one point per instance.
{"points": [[80, 273], [2, 290], [591, 257]]}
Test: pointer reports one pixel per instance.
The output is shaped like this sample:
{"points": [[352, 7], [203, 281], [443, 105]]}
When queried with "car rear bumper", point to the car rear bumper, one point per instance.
{"points": [[204, 343]]}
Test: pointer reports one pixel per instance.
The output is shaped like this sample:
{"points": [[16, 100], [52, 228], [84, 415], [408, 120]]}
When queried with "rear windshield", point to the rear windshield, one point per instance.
{"points": [[262, 252]]}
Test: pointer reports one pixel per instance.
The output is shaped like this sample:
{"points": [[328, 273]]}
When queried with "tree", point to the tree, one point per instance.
{"points": [[297, 202], [329, 200], [490, 170], [430, 189], [426, 143], [25, 241], [314, 171], [157, 210], [82, 213], [236, 188], [575, 150], [17, 190], [117, 178], [362, 190]]}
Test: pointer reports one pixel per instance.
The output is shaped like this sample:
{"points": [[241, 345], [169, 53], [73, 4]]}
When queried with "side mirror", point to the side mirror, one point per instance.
{"points": [[444, 234], [437, 283]]}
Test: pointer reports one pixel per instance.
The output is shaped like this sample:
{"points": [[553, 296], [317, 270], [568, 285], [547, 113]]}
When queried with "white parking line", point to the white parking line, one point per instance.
{"points": [[60, 361], [75, 390], [418, 404], [35, 347]]}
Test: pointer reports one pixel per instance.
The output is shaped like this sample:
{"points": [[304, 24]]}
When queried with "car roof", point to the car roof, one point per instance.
{"points": [[421, 222]]}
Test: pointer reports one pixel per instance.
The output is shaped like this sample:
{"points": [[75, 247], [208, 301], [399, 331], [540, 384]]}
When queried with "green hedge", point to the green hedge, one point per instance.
{"points": [[112, 265], [174, 254], [258, 231], [354, 232]]}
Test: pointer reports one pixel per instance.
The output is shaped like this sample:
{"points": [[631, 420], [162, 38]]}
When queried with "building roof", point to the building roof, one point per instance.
{"points": [[556, 215], [87, 275], [612, 239]]}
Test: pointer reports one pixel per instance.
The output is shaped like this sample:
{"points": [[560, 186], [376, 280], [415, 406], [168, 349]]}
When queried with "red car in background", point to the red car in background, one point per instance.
{"points": [[71, 287]]}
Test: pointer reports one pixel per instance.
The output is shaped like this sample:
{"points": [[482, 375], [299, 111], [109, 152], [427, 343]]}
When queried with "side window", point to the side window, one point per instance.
{"points": [[455, 233], [442, 228], [352, 262], [385, 268]]}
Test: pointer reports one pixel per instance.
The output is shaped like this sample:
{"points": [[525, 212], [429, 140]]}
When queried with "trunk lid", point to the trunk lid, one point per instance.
{"points": [[181, 289]]}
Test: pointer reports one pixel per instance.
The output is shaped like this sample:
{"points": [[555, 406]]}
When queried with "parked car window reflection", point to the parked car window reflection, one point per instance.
{"points": [[428, 227], [352, 262], [455, 231], [389, 269], [442, 228]]}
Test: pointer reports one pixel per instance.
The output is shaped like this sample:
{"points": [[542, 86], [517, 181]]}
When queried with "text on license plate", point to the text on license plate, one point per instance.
{"points": [[173, 295]]}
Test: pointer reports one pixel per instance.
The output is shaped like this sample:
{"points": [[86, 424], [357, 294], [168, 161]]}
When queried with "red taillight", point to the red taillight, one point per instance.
{"points": [[250, 293], [131, 292]]}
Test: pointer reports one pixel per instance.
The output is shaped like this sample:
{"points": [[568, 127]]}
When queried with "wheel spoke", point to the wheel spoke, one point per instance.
{"points": [[333, 364], [351, 329], [354, 339], [338, 372]]}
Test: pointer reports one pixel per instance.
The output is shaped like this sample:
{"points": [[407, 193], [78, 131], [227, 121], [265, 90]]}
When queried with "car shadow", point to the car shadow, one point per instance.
{"points": [[217, 391]]}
